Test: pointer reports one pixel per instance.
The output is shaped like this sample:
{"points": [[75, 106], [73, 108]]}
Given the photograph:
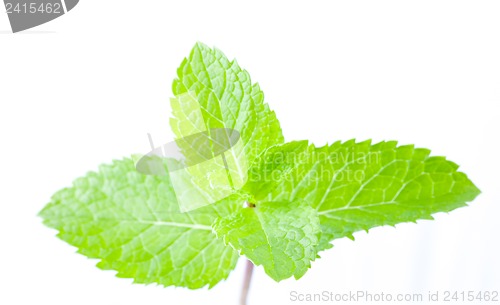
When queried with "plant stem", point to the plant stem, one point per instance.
{"points": [[247, 279]]}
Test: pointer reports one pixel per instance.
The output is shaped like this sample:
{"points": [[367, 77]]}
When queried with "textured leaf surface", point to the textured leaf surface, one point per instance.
{"points": [[304, 196], [358, 186], [131, 222], [227, 99], [280, 236]]}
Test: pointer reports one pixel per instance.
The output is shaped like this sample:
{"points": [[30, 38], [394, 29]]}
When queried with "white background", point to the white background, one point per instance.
{"points": [[88, 87]]}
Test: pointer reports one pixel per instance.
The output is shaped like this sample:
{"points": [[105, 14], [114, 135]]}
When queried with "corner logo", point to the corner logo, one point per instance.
{"points": [[27, 14]]}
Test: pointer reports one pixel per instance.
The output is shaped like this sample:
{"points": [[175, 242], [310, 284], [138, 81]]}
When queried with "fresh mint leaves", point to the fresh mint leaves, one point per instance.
{"points": [[281, 236], [227, 99], [299, 197], [358, 186], [132, 223]]}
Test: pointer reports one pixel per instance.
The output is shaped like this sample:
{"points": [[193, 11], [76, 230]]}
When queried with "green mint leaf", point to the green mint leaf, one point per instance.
{"points": [[358, 186], [214, 159], [280, 236], [226, 99], [159, 228], [132, 223]]}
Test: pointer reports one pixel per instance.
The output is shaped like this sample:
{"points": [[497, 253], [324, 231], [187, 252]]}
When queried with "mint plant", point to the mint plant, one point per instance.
{"points": [[297, 198]]}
